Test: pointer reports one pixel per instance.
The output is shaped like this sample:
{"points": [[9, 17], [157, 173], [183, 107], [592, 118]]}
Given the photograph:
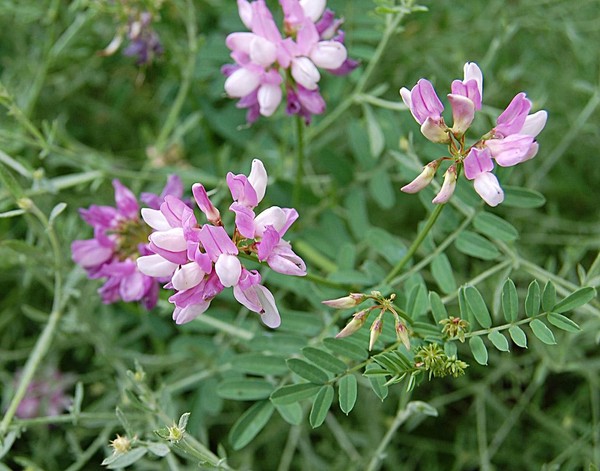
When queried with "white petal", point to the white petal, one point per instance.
{"points": [[270, 316], [171, 240], [269, 97], [328, 54], [273, 216], [262, 51], [155, 219], [258, 179], [534, 123], [305, 73], [228, 269], [188, 276], [156, 266], [313, 8], [487, 186], [241, 83]]}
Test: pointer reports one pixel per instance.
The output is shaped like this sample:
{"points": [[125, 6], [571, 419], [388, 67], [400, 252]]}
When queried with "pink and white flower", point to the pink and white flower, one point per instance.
{"points": [[120, 238], [202, 260], [509, 143], [311, 41]]}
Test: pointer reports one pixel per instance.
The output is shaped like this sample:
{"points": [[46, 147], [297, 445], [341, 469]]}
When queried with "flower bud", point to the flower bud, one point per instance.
{"points": [[423, 179], [355, 324], [402, 333], [212, 214], [447, 187], [376, 329], [346, 302], [120, 445]]}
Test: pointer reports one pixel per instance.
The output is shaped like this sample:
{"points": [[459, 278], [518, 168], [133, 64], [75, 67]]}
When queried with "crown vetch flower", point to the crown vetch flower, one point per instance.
{"points": [[45, 395], [203, 259], [509, 143], [120, 238], [269, 63]]}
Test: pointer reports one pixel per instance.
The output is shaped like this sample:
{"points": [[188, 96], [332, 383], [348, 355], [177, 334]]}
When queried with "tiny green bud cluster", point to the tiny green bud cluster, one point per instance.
{"points": [[455, 327], [120, 444], [432, 358]]}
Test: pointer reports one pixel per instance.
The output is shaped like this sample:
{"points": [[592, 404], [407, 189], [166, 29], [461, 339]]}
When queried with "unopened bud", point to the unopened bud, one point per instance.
{"points": [[175, 433], [423, 179], [212, 214], [447, 187], [355, 324], [402, 334], [376, 329], [120, 445], [352, 300]]}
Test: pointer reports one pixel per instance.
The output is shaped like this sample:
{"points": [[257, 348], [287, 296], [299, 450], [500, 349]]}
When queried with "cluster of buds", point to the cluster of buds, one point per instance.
{"points": [[121, 444], [432, 358], [201, 260], [120, 237], [267, 61], [455, 328], [360, 318], [509, 143], [143, 42]]}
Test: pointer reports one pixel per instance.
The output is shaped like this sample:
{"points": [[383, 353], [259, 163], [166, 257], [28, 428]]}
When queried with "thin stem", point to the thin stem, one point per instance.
{"points": [[43, 343], [378, 455], [333, 116], [325, 282], [171, 120], [299, 161], [416, 243]]}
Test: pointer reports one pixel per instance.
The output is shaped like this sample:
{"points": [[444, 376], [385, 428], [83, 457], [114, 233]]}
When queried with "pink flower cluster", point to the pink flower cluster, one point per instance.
{"points": [[120, 237], [265, 60], [45, 396], [200, 260], [509, 143]]}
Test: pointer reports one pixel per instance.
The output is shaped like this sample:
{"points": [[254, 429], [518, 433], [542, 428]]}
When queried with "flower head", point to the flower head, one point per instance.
{"points": [[45, 395], [120, 238], [269, 63], [510, 142], [200, 260]]}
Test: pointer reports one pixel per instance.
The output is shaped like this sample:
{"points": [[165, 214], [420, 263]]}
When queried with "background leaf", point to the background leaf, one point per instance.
{"points": [[321, 406], [518, 336], [347, 393], [478, 349], [542, 332], [478, 307], [575, 300], [510, 301], [474, 245], [250, 424]]}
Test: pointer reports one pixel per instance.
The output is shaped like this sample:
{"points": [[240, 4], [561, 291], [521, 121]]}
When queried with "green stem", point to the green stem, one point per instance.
{"points": [[379, 454], [188, 71], [43, 343], [416, 244], [333, 116], [325, 282], [299, 161]]}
